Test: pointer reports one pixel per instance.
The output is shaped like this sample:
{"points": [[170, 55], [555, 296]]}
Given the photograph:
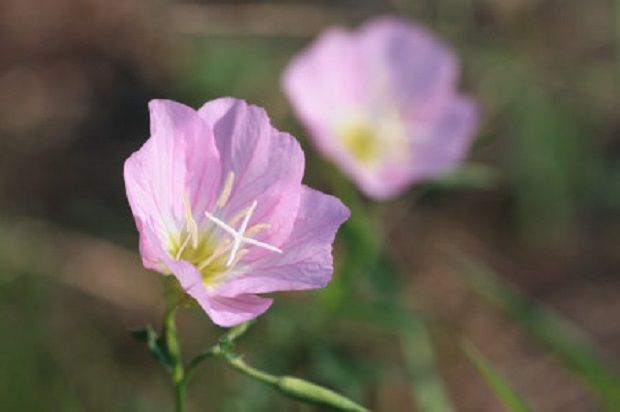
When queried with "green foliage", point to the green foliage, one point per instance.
{"points": [[557, 333], [552, 163], [496, 382], [428, 387]]}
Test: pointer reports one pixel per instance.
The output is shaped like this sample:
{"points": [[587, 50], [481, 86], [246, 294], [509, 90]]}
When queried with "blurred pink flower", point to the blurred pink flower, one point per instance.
{"points": [[382, 102], [218, 201]]}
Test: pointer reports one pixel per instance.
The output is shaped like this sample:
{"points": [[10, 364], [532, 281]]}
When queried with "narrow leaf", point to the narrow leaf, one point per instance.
{"points": [[558, 334], [500, 387], [426, 381]]}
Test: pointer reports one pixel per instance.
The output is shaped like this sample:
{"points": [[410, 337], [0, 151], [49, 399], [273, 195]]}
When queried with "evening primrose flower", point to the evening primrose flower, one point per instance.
{"points": [[218, 201], [381, 102]]}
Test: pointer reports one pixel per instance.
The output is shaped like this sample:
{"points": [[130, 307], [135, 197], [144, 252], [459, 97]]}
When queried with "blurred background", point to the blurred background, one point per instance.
{"points": [[537, 209]]}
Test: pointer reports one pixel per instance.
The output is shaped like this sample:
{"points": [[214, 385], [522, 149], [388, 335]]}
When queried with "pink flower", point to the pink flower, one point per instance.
{"points": [[218, 201], [381, 102]]}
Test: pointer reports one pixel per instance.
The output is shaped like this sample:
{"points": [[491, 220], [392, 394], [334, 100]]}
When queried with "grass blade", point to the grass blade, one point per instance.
{"points": [[426, 382], [496, 382], [558, 334]]}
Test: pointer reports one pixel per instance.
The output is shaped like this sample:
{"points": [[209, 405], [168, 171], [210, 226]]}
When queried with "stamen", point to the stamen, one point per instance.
{"points": [[190, 222], [227, 188], [218, 252], [190, 225], [240, 255], [238, 216], [182, 248], [254, 230]]}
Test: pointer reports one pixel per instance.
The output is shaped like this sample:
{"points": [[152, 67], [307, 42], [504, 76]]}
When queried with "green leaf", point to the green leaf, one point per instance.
{"points": [[155, 344], [500, 387], [569, 343], [426, 381]]}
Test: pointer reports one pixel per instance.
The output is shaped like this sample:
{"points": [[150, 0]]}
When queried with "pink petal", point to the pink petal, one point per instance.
{"points": [[325, 80], [224, 311], [384, 184], [448, 139], [180, 159], [307, 259], [408, 63], [152, 251], [268, 166], [231, 311]]}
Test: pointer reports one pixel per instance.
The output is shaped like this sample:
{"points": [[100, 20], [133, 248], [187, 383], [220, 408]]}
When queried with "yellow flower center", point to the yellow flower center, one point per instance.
{"points": [[360, 139], [205, 255], [372, 142], [214, 254]]}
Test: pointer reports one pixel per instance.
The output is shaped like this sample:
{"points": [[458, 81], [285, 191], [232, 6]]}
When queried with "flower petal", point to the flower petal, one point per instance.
{"points": [[152, 249], [325, 80], [448, 139], [306, 262], [224, 311], [406, 63], [268, 166], [179, 160], [231, 311]]}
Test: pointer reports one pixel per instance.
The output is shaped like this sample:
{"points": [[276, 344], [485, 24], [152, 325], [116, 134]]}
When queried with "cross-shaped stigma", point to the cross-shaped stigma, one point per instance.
{"points": [[238, 235]]}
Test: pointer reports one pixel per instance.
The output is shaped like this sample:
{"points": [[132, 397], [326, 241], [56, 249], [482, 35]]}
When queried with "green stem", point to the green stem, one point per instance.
{"points": [[227, 340], [174, 350], [191, 367], [179, 396], [292, 387], [238, 364]]}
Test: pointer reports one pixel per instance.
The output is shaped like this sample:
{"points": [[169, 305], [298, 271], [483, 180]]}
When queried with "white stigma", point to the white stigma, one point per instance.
{"points": [[239, 235]]}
